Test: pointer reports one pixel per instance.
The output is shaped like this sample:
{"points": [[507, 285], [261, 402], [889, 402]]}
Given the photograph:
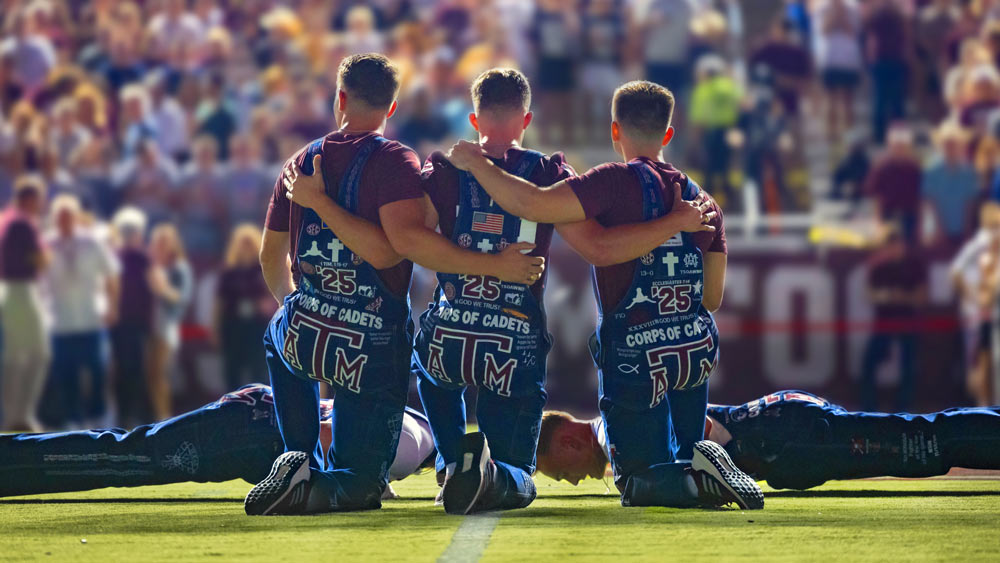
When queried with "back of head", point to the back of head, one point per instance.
{"points": [[551, 422], [65, 203], [130, 224], [29, 191], [369, 78], [643, 109], [501, 90]]}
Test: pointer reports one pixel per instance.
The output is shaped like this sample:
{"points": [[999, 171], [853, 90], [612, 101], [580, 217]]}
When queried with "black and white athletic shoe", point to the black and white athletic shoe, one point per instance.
{"points": [[720, 482], [284, 491], [472, 475]]}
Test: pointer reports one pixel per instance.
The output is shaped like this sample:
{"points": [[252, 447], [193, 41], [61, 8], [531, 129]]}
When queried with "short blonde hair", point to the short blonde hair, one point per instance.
{"points": [[65, 202], [129, 221], [172, 235]]}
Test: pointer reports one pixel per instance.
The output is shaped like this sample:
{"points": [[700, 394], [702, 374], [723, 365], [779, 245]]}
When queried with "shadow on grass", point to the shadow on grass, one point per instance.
{"points": [[123, 500], [869, 493]]}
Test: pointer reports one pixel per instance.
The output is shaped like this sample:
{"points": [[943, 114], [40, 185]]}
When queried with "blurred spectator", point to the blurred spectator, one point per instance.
{"points": [[67, 135], [788, 62], [956, 82], [555, 32], [361, 35], [950, 183], [664, 33], [168, 118], [31, 53], [888, 49], [131, 334], [897, 287], [604, 42], [426, 127], [136, 120], [838, 56], [982, 98], [23, 259], [173, 28], [245, 181], [849, 174], [243, 307], [172, 283], [200, 202], [763, 135], [214, 114], [934, 21], [975, 275], [83, 287], [146, 180], [894, 182], [123, 66], [715, 109]]}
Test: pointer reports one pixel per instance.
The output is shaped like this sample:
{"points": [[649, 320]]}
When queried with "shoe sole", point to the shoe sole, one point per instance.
{"points": [[713, 459], [468, 469], [261, 499]]}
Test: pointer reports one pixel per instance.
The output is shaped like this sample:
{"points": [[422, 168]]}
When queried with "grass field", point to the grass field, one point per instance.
{"points": [[937, 519]]}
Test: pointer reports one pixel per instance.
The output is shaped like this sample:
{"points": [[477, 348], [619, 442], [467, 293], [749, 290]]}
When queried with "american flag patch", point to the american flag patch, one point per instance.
{"points": [[487, 223]]}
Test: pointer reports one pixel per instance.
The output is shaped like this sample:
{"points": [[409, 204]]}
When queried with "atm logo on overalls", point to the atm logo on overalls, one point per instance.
{"points": [[687, 363], [497, 377], [346, 373]]}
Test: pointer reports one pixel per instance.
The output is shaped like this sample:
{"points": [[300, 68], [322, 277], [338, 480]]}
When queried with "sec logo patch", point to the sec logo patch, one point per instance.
{"points": [[647, 259], [465, 240], [449, 291], [313, 229]]}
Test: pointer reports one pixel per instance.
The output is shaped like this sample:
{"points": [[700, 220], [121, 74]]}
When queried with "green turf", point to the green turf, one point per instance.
{"points": [[862, 520]]}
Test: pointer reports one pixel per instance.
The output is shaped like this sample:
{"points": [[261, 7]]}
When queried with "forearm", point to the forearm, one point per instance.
{"points": [[627, 242], [278, 277], [363, 237], [431, 250]]}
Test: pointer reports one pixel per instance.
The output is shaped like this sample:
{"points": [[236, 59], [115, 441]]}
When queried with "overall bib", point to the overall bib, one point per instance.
{"points": [[489, 334], [655, 352], [342, 326]]}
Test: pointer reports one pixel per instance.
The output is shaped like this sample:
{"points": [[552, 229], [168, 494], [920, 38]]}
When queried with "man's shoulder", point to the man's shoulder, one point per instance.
{"points": [[437, 162], [392, 152]]}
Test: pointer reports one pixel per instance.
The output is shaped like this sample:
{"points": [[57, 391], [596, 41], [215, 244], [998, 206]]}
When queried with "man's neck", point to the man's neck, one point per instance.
{"points": [[360, 124], [630, 153], [496, 147]]}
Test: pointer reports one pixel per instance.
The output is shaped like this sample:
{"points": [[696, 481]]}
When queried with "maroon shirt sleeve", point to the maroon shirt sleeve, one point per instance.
{"points": [[394, 174], [595, 188], [719, 239], [439, 180]]}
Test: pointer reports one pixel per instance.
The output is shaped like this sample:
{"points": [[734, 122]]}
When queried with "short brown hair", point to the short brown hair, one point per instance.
{"points": [[551, 421], [500, 89], [371, 77], [643, 107]]}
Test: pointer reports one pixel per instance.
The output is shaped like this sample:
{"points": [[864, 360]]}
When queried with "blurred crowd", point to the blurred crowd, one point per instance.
{"points": [[140, 140]]}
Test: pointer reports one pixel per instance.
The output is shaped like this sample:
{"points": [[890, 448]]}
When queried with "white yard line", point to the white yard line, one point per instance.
{"points": [[471, 538]]}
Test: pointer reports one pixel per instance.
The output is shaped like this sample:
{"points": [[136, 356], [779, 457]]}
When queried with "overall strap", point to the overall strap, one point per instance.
{"points": [[525, 165], [652, 190], [350, 182]]}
